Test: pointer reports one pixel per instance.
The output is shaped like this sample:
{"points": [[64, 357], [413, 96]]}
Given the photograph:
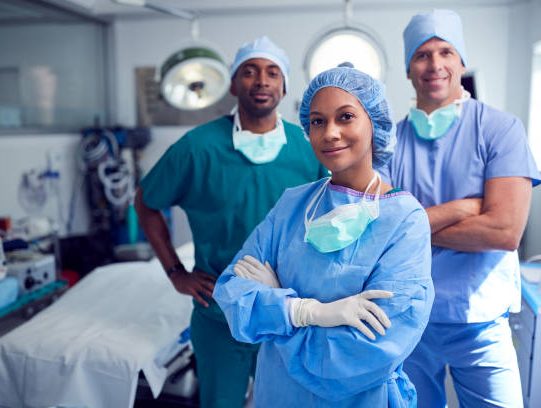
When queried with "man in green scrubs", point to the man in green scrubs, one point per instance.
{"points": [[226, 175]]}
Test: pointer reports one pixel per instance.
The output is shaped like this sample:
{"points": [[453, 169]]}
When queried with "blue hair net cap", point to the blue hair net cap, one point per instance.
{"points": [[370, 93], [262, 47], [443, 24]]}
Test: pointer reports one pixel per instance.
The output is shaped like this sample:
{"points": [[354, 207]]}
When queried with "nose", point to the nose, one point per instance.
{"points": [[436, 62], [332, 132], [262, 79]]}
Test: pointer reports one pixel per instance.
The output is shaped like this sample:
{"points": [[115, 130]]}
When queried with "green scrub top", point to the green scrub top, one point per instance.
{"points": [[224, 195]]}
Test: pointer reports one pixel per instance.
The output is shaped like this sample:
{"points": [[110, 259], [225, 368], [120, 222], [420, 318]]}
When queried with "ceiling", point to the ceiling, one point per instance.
{"points": [[15, 11]]}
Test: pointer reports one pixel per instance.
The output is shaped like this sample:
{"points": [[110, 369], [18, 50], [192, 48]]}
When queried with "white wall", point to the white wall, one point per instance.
{"points": [[498, 42], [525, 32], [150, 42]]}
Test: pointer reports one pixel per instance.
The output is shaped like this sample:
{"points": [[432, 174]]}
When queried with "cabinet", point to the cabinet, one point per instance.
{"points": [[526, 328]]}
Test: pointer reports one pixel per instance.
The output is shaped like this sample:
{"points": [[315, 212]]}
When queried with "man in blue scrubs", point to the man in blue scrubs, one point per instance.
{"points": [[470, 167], [226, 174]]}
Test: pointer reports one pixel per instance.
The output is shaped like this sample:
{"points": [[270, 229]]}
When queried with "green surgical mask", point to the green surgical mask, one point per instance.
{"points": [[343, 225], [259, 148], [436, 125]]}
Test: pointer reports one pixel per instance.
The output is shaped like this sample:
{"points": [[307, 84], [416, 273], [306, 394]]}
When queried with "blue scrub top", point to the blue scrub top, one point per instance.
{"points": [[224, 194], [483, 144], [315, 366]]}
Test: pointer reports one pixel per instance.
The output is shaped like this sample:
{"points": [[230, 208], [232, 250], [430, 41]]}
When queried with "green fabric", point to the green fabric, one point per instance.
{"points": [[224, 365], [224, 195]]}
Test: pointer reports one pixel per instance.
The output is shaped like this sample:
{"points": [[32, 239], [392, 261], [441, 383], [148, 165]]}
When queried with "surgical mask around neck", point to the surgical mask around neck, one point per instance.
{"points": [[343, 225], [436, 124], [259, 148]]}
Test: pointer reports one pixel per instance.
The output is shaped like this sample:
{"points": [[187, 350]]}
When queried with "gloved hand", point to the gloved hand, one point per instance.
{"points": [[344, 312], [250, 268]]}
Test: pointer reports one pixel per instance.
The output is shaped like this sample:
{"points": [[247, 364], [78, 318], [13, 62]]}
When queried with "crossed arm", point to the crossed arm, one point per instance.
{"points": [[495, 222]]}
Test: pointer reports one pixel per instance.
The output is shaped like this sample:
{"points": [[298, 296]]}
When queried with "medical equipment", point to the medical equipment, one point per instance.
{"points": [[194, 77], [31, 269], [88, 347]]}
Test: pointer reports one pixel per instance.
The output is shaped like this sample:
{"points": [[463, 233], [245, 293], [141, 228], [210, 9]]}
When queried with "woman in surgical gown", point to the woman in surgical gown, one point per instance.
{"points": [[333, 258]]}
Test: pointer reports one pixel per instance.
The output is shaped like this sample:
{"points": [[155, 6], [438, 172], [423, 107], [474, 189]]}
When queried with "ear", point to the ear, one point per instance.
{"points": [[233, 87]]}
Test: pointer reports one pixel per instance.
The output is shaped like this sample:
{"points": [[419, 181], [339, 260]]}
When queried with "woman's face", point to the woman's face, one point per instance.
{"points": [[341, 134]]}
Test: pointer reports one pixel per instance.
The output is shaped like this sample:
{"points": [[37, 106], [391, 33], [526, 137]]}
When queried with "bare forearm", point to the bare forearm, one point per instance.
{"points": [[476, 234], [449, 213], [501, 223]]}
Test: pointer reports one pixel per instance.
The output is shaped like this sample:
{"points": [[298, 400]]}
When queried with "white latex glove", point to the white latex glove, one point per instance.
{"points": [[344, 312], [250, 268]]}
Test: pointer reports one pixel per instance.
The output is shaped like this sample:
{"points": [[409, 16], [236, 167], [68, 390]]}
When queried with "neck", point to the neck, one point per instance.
{"points": [[357, 180], [257, 124], [430, 105]]}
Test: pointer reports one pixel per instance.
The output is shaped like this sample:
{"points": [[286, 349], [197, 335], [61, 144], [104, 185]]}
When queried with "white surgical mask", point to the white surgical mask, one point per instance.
{"points": [[259, 148], [343, 225]]}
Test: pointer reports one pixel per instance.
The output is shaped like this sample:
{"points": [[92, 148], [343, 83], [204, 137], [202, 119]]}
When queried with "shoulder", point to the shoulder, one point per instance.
{"points": [[299, 194], [292, 129], [202, 137], [221, 124], [489, 116], [402, 206]]}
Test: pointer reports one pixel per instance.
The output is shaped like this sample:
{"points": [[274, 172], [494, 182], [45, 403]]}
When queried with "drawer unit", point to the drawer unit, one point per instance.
{"points": [[526, 328]]}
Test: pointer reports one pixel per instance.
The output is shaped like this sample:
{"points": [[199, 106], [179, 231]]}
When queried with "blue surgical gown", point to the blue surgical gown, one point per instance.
{"points": [[339, 366], [485, 143]]}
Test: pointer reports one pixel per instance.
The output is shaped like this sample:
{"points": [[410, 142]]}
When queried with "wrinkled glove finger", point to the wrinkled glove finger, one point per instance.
{"points": [[241, 271], [372, 321], [378, 312], [250, 260], [269, 268], [250, 267], [363, 329], [376, 294]]}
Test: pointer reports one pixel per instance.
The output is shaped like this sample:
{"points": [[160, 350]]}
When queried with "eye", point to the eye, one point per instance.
{"points": [[316, 122], [274, 73], [420, 56], [447, 52], [248, 71], [347, 116]]}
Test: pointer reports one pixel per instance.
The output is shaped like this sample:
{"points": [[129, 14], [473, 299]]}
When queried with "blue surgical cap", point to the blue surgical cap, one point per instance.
{"points": [[443, 24], [370, 93], [262, 47]]}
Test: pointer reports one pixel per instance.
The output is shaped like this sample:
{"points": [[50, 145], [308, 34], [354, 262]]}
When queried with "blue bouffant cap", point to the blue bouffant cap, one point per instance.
{"points": [[262, 47], [443, 24], [370, 93]]}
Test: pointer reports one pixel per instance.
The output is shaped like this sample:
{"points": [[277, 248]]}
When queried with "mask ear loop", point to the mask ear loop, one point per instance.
{"points": [[317, 197], [373, 209]]}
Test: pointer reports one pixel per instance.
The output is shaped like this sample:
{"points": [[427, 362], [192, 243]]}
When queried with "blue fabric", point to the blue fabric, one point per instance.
{"points": [[443, 24], [484, 143], [318, 366], [9, 290], [481, 360], [218, 186], [262, 47], [370, 93]]}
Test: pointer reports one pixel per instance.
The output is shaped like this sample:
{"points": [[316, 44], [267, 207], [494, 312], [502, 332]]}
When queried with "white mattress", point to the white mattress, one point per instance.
{"points": [[86, 350]]}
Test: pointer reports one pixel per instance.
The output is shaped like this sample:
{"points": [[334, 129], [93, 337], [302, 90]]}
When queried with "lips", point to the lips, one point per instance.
{"points": [[261, 96], [330, 151]]}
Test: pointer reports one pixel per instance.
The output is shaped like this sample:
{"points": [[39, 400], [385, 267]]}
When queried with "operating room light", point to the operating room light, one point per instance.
{"points": [[194, 78]]}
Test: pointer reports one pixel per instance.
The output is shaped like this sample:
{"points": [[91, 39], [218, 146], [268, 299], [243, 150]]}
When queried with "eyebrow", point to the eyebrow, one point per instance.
{"points": [[336, 110]]}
